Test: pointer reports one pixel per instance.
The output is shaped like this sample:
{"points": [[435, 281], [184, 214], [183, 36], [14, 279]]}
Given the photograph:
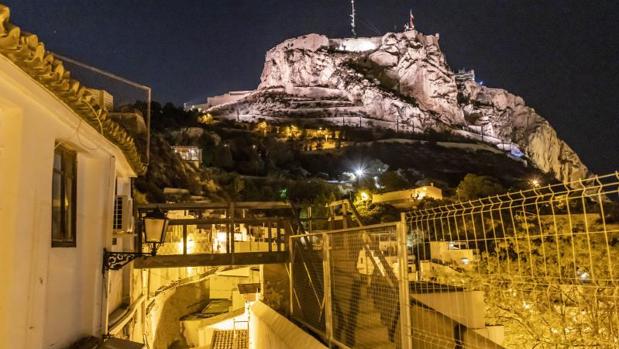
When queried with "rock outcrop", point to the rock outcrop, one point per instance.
{"points": [[400, 81]]}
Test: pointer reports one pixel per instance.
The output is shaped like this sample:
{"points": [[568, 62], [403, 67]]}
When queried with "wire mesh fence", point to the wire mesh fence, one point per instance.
{"points": [[346, 285], [126, 102], [529, 269]]}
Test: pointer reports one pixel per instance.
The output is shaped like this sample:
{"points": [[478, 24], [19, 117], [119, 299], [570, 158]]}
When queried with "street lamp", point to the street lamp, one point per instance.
{"points": [[365, 196], [155, 224]]}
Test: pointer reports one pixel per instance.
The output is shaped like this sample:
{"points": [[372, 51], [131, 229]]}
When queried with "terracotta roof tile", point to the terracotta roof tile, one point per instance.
{"points": [[27, 52]]}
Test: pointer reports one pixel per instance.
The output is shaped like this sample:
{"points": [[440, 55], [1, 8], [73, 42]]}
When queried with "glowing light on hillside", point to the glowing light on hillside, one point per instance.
{"points": [[360, 172]]}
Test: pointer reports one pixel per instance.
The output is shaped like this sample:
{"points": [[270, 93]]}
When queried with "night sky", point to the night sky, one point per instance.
{"points": [[561, 56]]}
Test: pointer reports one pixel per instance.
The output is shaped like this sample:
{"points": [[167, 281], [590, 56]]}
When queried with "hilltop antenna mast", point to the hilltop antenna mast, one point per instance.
{"points": [[411, 21], [353, 26]]}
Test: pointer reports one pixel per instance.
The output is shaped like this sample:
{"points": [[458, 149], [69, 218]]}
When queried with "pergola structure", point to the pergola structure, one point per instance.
{"points": [[276, 219]]}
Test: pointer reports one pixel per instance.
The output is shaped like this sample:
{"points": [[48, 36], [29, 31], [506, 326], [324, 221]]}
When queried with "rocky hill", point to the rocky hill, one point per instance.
{"points": [[399, 81]]}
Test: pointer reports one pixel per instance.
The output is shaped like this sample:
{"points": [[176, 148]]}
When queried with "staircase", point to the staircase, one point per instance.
{"points": [[356, 314], [230, 339]]}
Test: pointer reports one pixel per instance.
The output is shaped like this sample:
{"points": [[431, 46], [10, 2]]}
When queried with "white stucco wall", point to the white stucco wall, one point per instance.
{"points": [[50, 297], [269, 329]]}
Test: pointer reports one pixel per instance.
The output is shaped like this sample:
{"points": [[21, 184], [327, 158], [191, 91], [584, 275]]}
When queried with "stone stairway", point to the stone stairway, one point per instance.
{"points": [[356, 319], [230, 339]]}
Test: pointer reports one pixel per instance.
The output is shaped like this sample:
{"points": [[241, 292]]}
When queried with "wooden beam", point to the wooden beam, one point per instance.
{"points": [[212, 259], [262, 205], [194, 221]]}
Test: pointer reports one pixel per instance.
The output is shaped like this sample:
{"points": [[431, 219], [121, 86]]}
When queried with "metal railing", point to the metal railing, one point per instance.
{"points": [[530, 269], [351, 286], [220, 228], [223, 236]]}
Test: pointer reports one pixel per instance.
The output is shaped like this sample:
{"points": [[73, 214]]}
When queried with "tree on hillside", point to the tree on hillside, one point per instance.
{"points": [[306, 193], [474, 186], [558, 291], [222, 157], [168, 116], [392, 180]]}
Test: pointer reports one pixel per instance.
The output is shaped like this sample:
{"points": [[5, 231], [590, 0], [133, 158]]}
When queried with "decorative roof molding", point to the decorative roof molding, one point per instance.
{"points": [[27, 52]]}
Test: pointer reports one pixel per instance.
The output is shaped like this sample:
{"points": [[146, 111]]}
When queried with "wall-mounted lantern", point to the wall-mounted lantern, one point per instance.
{"points": [[155, 224]]}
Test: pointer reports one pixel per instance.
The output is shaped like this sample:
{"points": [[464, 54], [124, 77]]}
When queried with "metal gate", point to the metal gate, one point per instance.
{"points": [[351, 286]]}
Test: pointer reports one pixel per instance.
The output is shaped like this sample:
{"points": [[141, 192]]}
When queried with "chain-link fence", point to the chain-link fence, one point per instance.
{"points": [[529, 269], [351, 286]]}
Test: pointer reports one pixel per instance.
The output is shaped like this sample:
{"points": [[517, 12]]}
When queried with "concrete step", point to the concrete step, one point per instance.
{"points": [[371, 336], [371, 319], [376, 345]]}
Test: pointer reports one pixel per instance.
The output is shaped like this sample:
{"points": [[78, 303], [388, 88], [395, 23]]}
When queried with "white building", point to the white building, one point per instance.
{"points": [[408, 198], [213, 101], [189, 153], [62, 164]]}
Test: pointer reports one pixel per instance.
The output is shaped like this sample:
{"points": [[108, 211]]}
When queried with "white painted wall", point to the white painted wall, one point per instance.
{"points": [[50, 297], [269, 329]]}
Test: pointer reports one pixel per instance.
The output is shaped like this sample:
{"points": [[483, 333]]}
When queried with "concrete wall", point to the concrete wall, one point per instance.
{"points": [[432, 330], [466, 307], [269, 329], [50, 297], [408, 197]]}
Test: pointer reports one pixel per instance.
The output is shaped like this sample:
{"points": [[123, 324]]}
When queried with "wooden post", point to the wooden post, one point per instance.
{"points": [[269, 236], [140, 227], [278, 236], [184, 239], [231, 238]]}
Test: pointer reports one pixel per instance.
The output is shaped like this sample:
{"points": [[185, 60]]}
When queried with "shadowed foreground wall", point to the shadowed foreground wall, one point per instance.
{"points": [[269, 329]]}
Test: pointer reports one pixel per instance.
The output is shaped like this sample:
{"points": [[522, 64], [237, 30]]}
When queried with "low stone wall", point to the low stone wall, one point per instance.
{"points": [[269, 329]]}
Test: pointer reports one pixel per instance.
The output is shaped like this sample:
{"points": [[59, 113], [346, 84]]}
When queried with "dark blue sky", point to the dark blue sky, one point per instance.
{"points": [[562, 56]]}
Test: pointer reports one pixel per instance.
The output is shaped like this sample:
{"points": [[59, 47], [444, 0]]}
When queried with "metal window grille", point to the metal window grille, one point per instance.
{"points": [[118, 214]]}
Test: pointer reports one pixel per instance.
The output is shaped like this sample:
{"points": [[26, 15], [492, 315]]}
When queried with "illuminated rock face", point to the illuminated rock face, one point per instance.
{"points": [[400, 81], [504, 116]]}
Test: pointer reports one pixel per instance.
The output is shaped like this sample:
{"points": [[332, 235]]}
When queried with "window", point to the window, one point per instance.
{"points": [[117, 222], [64, 183]]}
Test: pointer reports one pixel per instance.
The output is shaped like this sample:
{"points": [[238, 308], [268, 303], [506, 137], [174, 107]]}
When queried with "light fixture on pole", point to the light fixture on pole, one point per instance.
{"points": [[155, 224]]}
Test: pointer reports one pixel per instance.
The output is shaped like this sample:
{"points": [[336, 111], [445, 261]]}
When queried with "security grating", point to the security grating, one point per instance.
{"points": [[530, 269], [346, 286], [117, 223]]}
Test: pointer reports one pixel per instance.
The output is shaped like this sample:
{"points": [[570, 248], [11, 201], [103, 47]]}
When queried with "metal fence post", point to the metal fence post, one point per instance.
{"points": [[326, 271], [290, 277], [405, 312]]}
